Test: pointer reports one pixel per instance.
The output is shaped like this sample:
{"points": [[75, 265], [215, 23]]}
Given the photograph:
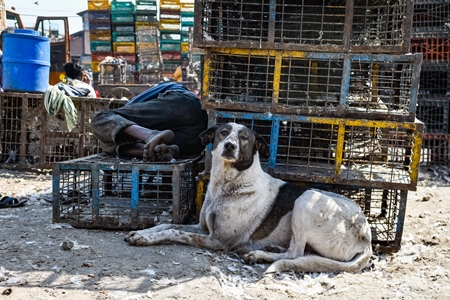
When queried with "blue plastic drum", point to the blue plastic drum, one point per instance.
{"points": [[25, 61]]}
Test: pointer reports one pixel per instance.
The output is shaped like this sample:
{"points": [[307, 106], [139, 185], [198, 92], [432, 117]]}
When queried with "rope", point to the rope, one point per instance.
{"points": [[54, 100]]}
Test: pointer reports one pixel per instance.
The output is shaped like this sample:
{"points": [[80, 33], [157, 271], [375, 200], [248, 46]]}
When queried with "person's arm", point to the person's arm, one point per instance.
{"points": [[177, 76]]}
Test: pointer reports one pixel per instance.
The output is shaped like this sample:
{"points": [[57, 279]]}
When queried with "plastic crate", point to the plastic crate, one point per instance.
{"points": [[434, 114], [435, 149], [146, 5], [121, 17], [434, 81], [99, 27], [98, 5], [143, 26], [431, 18], [378, 86], [100, 35], [171, 55], [123, 36], [122, 6], [99, 16], [330, 25], [123, 28], [100, 56], [433, 49], [100, 46], [146, 18], [169, 45], [374, 154], [146, 46], [104, 192], [124, 47]]}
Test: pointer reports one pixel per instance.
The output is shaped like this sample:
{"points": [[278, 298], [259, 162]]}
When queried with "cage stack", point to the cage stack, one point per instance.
{"points": [[99, 16], [330, 86], [431, 37], [149, 63], [123, 37], [170, 38]]}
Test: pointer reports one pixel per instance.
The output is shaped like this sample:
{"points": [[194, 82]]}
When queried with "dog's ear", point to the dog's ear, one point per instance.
{"points": [[207, 136], [261, 146]]}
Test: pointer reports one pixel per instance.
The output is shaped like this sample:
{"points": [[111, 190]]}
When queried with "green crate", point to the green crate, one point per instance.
{"points": [[123, 36], [122, 17], [100, 46], [122, 6]]}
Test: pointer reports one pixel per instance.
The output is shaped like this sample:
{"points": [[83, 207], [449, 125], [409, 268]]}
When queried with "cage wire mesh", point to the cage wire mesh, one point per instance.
{"points": [[104, 192], [302, 24], [31, 137], [373, 154], [434, 114], [332, 84], [430, 18], [434, 81]]}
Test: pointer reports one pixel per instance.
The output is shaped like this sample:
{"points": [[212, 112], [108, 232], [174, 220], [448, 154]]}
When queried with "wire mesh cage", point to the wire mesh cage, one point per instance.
{"points": [[30, 137], [105, 192], [377, 154], [434, 81], [434, 114], [436, 149], [433, 49], [383, 208], [329, 84], [311, 25], [431, 18]]}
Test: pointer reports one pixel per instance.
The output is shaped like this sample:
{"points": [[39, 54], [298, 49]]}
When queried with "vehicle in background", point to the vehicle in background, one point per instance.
{"points": [[57, 30]]}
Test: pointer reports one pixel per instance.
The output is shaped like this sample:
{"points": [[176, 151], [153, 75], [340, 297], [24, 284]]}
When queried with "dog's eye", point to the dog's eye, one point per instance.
{"points": [[224, 132], [244, 137]]}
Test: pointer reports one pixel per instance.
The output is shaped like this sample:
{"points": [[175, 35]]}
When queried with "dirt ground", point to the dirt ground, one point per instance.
{"points": [[101, 265]]}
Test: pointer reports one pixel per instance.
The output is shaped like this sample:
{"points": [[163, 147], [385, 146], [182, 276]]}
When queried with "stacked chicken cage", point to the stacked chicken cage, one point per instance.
{"points": [[150, 65], [99, 16], [330, 86], [431, 37]]}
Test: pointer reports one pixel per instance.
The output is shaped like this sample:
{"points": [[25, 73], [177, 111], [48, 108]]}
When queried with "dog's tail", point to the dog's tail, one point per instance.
{"points": [[315, 263]]}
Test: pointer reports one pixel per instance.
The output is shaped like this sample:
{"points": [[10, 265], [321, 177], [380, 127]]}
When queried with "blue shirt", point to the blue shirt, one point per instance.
{"points": [[154, 92]]}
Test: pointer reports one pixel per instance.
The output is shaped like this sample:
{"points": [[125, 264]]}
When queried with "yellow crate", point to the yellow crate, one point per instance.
{"points": [[95, 66], [146, 46], [124, 47], [169, 26], [185, 47], [98, 5]]}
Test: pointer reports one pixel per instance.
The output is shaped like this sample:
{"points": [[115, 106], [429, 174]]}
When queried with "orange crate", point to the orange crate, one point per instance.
{"points": [[433, 49], [98, 5]]}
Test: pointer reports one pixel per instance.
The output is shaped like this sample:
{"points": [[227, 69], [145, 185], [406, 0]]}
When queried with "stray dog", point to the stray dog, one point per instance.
{"points": [[266, 219]]}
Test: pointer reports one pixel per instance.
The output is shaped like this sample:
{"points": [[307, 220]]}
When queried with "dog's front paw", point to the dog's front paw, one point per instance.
{"points": [[253, 257], [138, 238]]}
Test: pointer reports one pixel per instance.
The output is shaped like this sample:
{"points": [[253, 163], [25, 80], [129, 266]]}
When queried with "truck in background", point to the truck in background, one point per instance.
{"points": [[56, 29]]}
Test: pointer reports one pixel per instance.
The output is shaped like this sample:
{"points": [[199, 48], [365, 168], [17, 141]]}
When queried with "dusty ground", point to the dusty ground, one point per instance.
{"points": [[33, 264]]}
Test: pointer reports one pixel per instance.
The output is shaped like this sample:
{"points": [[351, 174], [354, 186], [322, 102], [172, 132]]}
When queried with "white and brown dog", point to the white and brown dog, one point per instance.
{"points": [[266, 219]]}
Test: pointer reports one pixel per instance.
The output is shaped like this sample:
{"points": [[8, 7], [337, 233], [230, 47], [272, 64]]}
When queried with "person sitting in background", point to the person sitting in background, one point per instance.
{"points": [[77, 81], [161, 124], [182, 71]]}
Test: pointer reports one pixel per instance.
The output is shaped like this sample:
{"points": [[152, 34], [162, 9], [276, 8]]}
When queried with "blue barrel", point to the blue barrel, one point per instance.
{"points": [[25, 61]]}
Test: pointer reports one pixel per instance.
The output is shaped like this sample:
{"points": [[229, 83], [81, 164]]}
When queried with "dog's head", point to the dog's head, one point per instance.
{"points": [[235, 143]]}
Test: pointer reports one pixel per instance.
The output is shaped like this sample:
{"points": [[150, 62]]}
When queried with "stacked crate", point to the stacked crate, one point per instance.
{"points": [[123, 36], [186, 25], [149, 60], [431, 37], [170, 39], [99, 16], [330, 86]]}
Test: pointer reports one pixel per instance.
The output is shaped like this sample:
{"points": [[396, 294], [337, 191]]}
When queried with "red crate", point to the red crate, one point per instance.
{"points": [[433, 49]]}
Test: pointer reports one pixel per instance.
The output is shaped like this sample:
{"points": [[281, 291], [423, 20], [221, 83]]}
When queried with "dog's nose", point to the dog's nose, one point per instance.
{"points": [[229, 146]]}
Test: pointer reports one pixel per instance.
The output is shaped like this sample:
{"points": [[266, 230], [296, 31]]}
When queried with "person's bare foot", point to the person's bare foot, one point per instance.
{"points": [[165, 152], [163, 137]]}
